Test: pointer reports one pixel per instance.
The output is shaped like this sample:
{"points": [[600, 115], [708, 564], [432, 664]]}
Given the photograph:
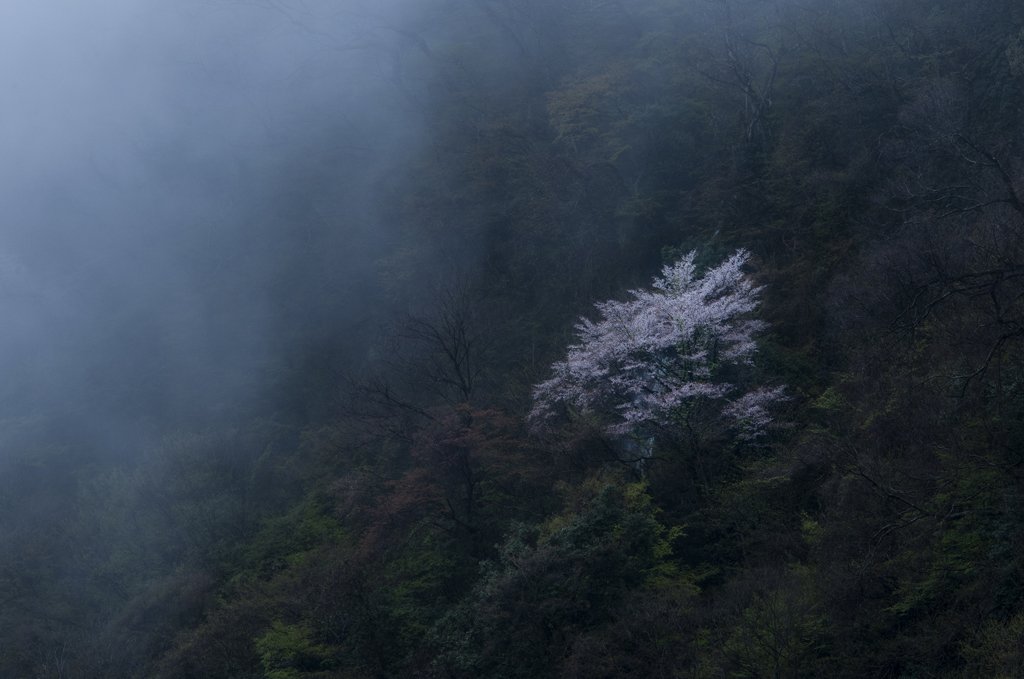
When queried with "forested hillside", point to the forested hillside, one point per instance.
{"points": [[788, 440]]}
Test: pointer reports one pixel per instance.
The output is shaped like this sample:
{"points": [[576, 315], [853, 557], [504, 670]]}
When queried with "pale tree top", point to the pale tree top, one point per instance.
{"points": [[646, 356]]}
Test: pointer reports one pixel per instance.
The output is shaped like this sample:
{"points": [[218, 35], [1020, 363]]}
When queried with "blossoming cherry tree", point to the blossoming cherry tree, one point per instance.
{"points": [[647, 357]]}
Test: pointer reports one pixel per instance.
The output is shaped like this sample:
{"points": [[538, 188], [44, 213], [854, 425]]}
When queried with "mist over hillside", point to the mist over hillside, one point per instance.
{"points": [[575, 339], [181, 182]]}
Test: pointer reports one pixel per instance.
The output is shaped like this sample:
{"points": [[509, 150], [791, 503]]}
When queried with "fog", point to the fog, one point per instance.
{"points": [[182, 184]]}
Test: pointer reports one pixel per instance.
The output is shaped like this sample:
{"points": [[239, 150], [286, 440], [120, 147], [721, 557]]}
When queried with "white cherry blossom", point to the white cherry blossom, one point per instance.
{"points": [[645, 357]]}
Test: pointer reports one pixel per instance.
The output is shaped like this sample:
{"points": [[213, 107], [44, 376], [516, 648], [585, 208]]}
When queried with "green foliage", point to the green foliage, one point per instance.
{"points": [[288, 652], [283, 539], [543, 592], [664, 574], [996, 649], [779, 632]]}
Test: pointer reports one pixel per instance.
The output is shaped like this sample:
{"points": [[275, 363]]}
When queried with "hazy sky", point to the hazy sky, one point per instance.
{"points": [[152, 160]]}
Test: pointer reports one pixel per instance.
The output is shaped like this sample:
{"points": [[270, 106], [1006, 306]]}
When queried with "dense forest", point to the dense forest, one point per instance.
{"points": [[680, 338]]}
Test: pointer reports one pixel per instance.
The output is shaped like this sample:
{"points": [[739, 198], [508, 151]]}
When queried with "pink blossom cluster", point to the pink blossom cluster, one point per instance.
{"points": [[647, 356]]}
